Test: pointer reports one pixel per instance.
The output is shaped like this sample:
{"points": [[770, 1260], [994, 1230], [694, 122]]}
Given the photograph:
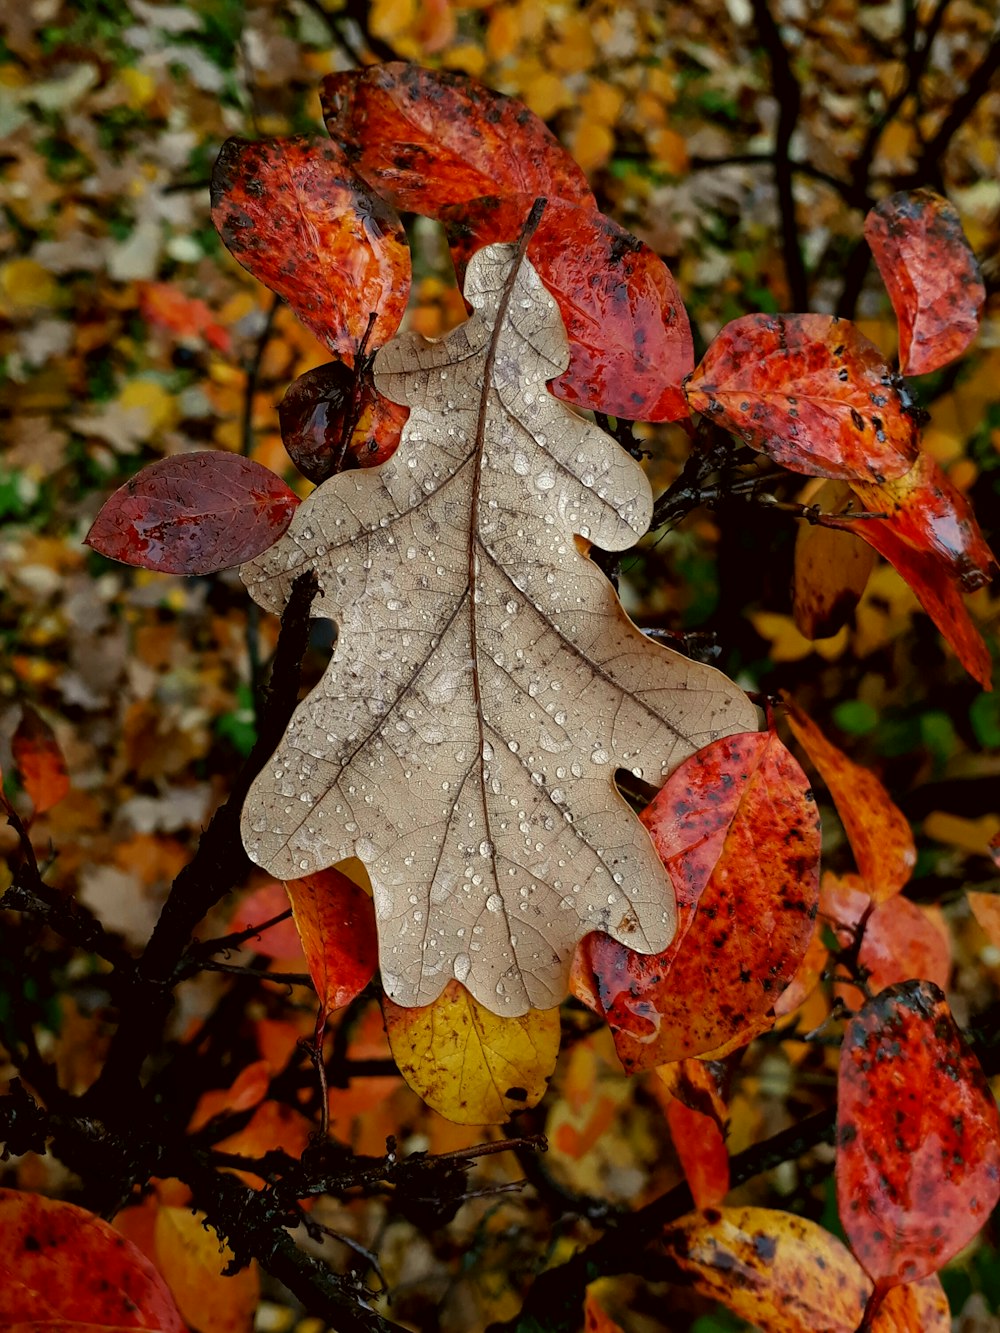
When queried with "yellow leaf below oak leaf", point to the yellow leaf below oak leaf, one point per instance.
{"points": [[468, 1064], [486, 682], [191, 1258]]}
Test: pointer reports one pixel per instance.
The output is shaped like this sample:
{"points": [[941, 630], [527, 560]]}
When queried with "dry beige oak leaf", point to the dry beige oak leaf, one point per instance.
{"points": [[486, 682]]}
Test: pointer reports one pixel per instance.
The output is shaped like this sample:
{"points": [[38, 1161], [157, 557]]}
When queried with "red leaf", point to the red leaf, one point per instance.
{"points": [[809, 391], [59, 1265], [267, 901], [427, 138], [336, 924], [931, 275], [918, 1142], [39, 761], [166, 306], [696, 1114], [880, 836], [312, 416], [297, 217], [737, 829], [194, 514], [630, 341]]}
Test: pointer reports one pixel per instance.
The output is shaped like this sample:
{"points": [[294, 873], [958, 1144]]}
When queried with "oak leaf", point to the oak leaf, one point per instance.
{"points": [[486, 682]]}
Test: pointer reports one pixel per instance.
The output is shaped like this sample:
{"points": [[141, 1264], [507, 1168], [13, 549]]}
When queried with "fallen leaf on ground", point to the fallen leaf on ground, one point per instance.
{"points": [[39, 761]]}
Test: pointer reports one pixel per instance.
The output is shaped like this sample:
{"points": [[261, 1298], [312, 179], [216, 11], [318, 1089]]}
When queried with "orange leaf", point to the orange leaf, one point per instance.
{"points": [[163, 304], [191, 1257], [273, 1125], [60, 1266], [809, 391], [807, 976], [880, 837], [595, 1317], [295, 215], [39, 761], [931, 275], [831, 566], [427, 138], [737, 829], [336, 923], [918, 1140], [701, 1148]]}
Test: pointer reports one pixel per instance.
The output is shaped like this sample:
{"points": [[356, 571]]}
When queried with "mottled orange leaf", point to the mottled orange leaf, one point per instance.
{"points": [[166, 306], [831, 566], [336, 923], [931, 275], [807, 976], [737, 829], [194, 514], [918, 1138], [879, 834], [313, 415], [191, 1257], [900, 942], [247, 1090], [427, 138], [472, 1066], [986, 907], [272, 1126], [629, 336], [39, 760], [61, 1266], [809, 391], [293, 212]]}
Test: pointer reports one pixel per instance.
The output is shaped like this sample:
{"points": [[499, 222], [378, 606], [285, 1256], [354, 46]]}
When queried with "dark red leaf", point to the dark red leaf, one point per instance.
{"points": [[427, 138], [62, 1267], [737, 829], [312, 415], [918, 1138], [296, 216], [194, 514], [629, 337], [931, 275], [39, 761], [809, 391]]}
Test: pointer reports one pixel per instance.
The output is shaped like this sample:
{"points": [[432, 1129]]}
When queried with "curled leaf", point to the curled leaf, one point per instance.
{"points": [[296, 216], [313, 416], [809, 391], [428, 138], [470, 1065], [39, 760], [194, 514], [737, 829], [931, 275], [336, 923], [629, 336], [918, 1137]]}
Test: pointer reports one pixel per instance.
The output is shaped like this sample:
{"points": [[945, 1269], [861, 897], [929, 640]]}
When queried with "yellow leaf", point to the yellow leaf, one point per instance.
{"points": [[468, 1064], [971, 835], [669, 151], [191, 1258], [788, 644], [503, 32], [602, 102], [153, 400], [592, 145], [25, 286], [546, 95]]}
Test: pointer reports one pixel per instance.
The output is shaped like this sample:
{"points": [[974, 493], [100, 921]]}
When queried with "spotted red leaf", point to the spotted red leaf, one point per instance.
{"points": [[427, 138], [61, 1267], [931, 275], [918, 1139], [194, 514], [312, 416], [629, 336], [296, 216], [39, 761], [737, 829], [809, 391]]}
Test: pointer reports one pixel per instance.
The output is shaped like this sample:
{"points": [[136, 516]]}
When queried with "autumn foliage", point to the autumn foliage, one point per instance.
{"points": [[545, 839]]}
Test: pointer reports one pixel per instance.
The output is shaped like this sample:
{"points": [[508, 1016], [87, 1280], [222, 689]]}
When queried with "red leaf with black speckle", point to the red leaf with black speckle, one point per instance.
{"points": [[918, 1137], [194, 514], [809, 391], [313, 414], [737, 829], [293, 212], [428, 138], [39, 760], [931, 275], [629, 336], [61, 1266]]}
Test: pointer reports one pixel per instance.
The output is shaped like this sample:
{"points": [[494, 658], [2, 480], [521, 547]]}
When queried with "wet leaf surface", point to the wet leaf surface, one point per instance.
{"points": [[629, 336], [809, 391], [313, 416], [194, 514], [468, 1064], [336, 923], [486, 683], [918, 1137], [738, 831], [880, 836], [39, 760], [61, 1266], [296, 216], [931, 275], [428, 138]]}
